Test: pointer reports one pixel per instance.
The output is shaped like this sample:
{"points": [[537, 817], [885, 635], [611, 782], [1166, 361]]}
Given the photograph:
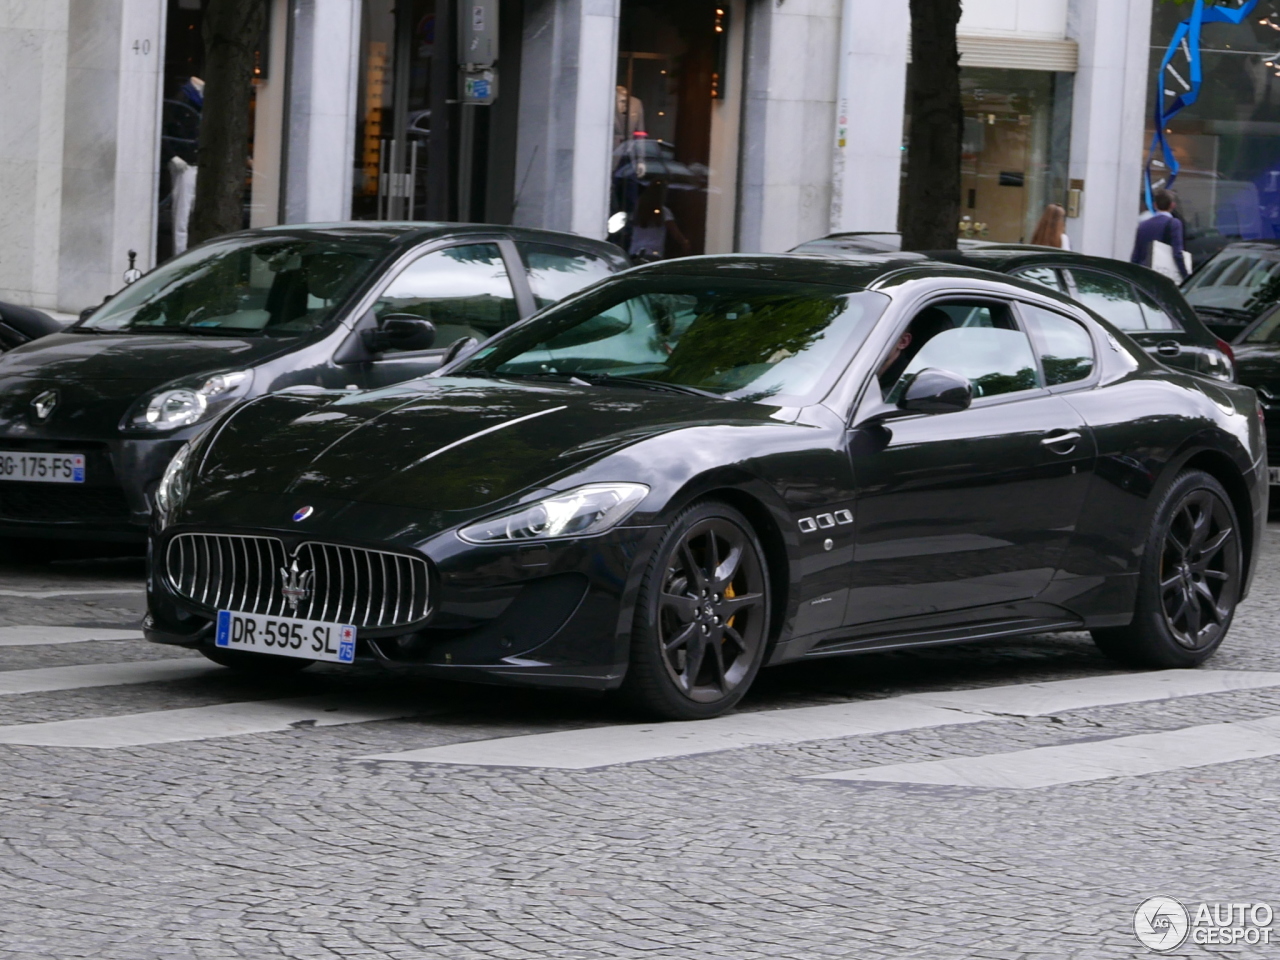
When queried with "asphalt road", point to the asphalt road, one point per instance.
{"points": [[1010, 800]]}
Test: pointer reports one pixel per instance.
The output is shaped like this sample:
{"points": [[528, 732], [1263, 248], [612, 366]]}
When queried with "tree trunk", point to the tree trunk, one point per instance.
{"points": [[931, 196], [232, 29]]}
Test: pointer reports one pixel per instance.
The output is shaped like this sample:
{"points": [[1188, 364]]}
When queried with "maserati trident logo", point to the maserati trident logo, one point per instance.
{"points": [[297, 585], [302, 513], [44, 404]]}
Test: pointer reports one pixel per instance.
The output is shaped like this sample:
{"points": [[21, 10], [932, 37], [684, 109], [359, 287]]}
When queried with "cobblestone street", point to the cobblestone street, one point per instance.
{"points": [[158, 806]]}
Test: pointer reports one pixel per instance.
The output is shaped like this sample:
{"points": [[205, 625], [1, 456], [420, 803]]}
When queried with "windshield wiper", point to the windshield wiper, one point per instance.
{"points": [[648, 384]]}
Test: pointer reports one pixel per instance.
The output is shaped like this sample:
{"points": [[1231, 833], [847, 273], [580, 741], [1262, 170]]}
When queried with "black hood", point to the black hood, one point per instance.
{"points": [[1258, 365], [452, 444]]}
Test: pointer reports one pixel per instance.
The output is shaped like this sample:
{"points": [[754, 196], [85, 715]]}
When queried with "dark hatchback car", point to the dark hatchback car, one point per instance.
{"points": [[710, 464], [90, 416], [1258, 366], [1142, 303]]}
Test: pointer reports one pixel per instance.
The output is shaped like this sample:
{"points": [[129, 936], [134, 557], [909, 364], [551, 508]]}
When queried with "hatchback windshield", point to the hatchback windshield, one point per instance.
{"points": [[738, 339], [247, 286], [1235, 282]]}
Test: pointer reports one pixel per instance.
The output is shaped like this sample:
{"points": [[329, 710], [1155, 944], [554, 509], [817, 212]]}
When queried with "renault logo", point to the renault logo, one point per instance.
{"points": [[44, 404], [297, 585]]}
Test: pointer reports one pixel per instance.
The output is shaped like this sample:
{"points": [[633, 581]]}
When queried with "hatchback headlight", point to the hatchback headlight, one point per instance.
{"points": [[173, 485], [189, 401], [581, 512]]}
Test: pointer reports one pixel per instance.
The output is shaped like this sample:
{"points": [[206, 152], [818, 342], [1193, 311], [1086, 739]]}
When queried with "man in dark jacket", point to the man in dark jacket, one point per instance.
{"points": [[1164, 227]]}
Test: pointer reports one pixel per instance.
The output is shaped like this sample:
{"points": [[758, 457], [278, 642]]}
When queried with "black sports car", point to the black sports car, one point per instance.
{"points": [[90, 416], [1147, 306], [706, 465]]}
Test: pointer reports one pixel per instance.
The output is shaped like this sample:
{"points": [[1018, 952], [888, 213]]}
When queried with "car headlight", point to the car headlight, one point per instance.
{"points": [[581, 512], [173, 485], [189, 401]]}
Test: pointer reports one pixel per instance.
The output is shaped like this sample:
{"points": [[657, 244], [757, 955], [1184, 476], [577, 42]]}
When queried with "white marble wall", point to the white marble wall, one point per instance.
{"points": [[1107, 129], [33, 65], [792, 66], [1041, 19]]}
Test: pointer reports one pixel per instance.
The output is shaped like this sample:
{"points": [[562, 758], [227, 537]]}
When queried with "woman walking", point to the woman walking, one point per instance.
{"points": [[1051, 231]]}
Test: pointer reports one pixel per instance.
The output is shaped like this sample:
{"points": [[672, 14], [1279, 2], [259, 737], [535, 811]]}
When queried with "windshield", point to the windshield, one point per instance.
{"points": [[1267, 330], [738, 339], [1236, 282], [246, 286]]}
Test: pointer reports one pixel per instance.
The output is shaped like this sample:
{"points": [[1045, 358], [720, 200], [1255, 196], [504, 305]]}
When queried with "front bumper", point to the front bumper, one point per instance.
{"points": [[549, 615], [114, 502]]}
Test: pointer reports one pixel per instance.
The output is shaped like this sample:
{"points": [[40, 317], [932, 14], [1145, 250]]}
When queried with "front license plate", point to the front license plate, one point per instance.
{"points": [[286, 637], [1274, 474], [42, 467]]}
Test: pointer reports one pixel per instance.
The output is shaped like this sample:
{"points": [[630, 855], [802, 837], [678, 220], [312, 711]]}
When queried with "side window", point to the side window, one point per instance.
{"points": [[1045, 276], [555, 272], [1156, 316], [977, 341], [1065, 347], [1111, 298], [463, 290]]}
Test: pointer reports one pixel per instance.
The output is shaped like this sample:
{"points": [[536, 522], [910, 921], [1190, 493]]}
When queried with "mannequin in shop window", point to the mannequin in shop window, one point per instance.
{"points": [[654, 227]]}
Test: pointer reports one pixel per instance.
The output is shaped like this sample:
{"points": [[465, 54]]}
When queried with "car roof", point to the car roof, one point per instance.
{"points": [[862, 272], [1268, 248], [405, 233]]}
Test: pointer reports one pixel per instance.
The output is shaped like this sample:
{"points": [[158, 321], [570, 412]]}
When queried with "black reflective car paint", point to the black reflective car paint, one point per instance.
{"points": [[100, 376], [1032, 533]]}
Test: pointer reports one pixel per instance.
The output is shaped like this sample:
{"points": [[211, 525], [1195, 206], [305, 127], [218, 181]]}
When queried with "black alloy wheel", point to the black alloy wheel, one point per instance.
{"points": [[702, 620], [259, 664], [1190, 581]]}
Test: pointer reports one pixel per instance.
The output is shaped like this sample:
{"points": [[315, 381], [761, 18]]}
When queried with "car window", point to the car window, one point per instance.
{"points": [[1156, 316], [1109, 297], [995, 361], [1236, 283], [555, 272], [463, 290], [1045, 276], [1064, 346]]}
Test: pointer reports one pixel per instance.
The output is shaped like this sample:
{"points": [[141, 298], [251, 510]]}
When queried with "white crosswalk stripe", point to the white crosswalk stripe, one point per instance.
{"points": [[607, 746], [196, 723], [1182, 749], [48, 679], [34, 636]]}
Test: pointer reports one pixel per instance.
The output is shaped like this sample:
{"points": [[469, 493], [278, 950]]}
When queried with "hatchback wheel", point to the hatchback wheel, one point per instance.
{"points": [[702, 620], [1189, 583], [261, 664]]}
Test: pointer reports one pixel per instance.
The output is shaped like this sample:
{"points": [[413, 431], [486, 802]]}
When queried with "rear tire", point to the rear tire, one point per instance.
{"points": [[702, 617], [256, 664], [1189, 582]]}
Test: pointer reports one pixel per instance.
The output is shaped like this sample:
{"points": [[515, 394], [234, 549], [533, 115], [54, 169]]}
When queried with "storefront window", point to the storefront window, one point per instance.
{"points": [[674, 80], [1228, 141], [1014, 157]]}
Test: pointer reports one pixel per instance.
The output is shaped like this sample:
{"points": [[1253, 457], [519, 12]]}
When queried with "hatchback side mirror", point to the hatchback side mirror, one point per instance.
{"points": [[401, 331], [936, 391]]}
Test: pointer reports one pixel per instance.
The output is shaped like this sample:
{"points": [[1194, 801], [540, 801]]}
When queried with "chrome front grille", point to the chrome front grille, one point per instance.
{"points": [[318, 581]]}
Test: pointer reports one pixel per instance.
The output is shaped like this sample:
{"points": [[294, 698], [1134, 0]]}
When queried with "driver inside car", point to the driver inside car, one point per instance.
{"points": [[926, 325]]}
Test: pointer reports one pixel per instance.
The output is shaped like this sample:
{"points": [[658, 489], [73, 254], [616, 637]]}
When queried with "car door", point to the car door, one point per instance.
{"points": [[464, 290], [973, 509]]}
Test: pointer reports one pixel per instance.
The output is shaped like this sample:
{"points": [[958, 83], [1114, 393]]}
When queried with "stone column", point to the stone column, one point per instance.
{"points": [[867, 163], [564, 146], [324, 54], [1107, 122]]}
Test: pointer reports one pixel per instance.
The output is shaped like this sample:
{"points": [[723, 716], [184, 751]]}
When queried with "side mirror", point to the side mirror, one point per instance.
{"points": [[460, 349], [400, 331], [936, 391]]}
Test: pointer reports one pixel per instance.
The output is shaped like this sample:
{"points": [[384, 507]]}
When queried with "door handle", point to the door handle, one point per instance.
{"points": [[1169, 348], [1060, 437]]}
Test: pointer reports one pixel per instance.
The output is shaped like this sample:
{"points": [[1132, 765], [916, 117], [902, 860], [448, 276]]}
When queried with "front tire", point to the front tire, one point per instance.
{"points": [[702, 617], [1189, 582], [255, 664]]}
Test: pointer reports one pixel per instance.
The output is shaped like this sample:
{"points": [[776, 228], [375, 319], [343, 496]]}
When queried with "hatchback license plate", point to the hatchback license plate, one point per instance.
{"points": [[41, 467], [286, 636]]}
